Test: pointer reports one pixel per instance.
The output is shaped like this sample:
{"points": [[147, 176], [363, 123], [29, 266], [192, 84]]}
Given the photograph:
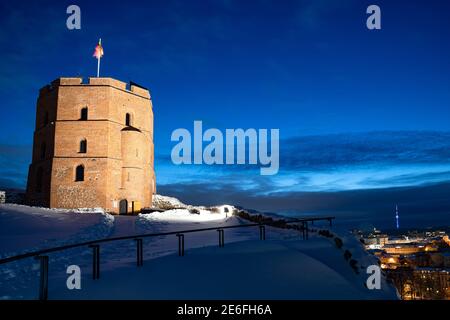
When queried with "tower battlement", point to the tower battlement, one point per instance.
{"points": [[93, 146], [110, 82]]}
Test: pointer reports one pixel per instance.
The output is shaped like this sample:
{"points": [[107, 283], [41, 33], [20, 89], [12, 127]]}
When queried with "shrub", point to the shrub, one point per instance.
{"points": [[326, 233], [338, 242], [194, 211], [243, 215], [214, 210], [347, 255], [354, 265]]}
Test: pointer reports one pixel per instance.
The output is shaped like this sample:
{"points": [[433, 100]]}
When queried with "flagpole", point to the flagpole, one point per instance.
{"points": [[98, 67], [98, 58]]}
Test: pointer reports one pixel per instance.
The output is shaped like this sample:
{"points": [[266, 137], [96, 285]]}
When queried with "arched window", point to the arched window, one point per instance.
{"points": [[84, 114], [83, 146], [79, 173], [39, 177], [46, 118], [128, 119], [43, 150]]}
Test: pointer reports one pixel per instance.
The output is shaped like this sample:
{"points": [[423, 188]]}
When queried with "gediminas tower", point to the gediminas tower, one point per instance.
{"points": [[93, 146]]}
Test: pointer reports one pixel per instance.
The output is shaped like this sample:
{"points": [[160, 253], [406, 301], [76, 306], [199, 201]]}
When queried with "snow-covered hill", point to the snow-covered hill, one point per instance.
{"points": [[24, 228], [254, 269], [169, 203], [283, 266]]}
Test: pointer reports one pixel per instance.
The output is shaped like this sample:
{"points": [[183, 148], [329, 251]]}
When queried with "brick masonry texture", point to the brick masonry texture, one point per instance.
{"points": [[118, 160]]}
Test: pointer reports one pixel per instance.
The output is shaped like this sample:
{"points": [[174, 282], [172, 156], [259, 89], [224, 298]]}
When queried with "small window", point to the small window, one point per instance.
{"points": [[128, 119], [79, 173], [39, 177], [83, 146], [84, 114], [46, 118], [43, 150], [137, 153], [128, 177]]}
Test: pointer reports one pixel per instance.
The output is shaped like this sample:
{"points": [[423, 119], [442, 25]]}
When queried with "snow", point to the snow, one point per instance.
{"points": [[283, 266], [24, 228], [242, 270], [165, 202], [170, 203], [183, 215]]}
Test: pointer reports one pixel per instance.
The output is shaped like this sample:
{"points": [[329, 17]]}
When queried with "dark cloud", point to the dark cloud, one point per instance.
{"points": [[424, 205], [329, 152], [409, 179], [369, 200], [373, 148]]}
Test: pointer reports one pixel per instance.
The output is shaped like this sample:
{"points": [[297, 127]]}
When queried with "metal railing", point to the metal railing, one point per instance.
{"points": [[42, 256]]}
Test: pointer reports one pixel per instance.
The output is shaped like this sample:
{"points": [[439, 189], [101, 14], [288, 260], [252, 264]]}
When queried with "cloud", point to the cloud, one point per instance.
{"points": [[327, 152], [335, 162], [381, 148], [424, 205], [358, 177], [14, 161], [412, 178]]}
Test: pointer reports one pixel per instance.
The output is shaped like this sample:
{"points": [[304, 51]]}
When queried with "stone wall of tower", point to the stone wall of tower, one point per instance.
{"points": [[39, 173], [119, 156]]}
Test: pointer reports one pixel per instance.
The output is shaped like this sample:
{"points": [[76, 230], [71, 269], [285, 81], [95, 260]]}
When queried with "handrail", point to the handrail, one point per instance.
{"points": [[94, 244], [98, 241]]}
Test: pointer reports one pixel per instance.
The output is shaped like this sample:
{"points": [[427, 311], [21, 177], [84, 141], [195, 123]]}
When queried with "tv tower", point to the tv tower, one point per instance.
{"points": [[396, 217]]}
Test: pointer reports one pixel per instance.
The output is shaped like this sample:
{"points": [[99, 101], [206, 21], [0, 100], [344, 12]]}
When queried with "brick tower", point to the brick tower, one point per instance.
{"points": [[93, 146]]}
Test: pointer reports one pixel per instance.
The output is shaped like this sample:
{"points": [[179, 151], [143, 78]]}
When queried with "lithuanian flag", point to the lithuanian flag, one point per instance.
{"points": [[98, 53]]}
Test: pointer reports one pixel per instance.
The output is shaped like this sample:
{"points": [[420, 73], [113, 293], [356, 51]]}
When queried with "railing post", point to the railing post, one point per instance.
{"points": [[95, 261], [180, 244], [303, 230], [43, 279], [330, 220], [307, 230], [139, 252], [262, 232], [221, 238]]}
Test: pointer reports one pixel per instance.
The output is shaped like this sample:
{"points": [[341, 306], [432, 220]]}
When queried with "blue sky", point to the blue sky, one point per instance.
{"points": [[359, 111]]}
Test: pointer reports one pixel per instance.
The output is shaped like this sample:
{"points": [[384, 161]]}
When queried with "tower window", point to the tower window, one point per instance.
{"points": [[84, 114], [39, 177], [43, 150], [46, 118], [79, 173], [128, 119], [83, 146]]}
